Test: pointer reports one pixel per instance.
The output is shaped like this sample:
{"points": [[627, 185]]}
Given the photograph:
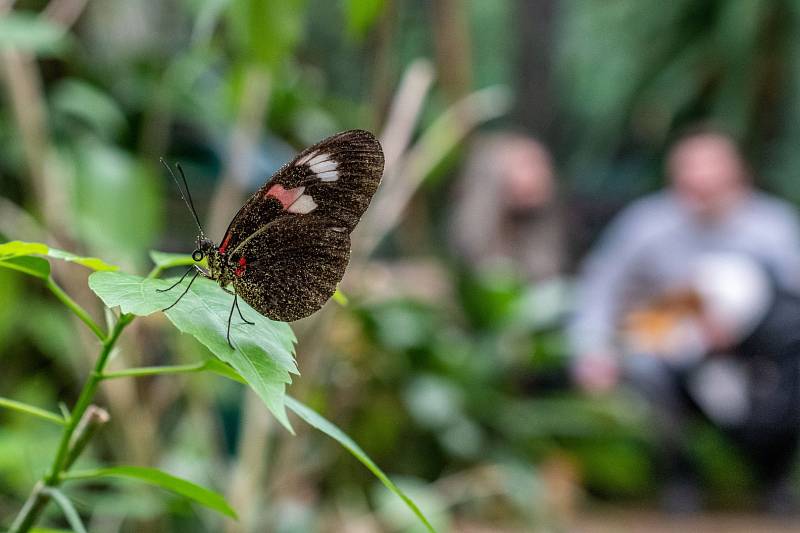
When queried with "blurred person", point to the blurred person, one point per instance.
{"points": [[642, 315], [506, 211]]}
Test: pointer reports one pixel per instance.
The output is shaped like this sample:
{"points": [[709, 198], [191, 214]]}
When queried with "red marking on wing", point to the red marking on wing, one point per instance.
{"points": [[225, 243], [239, 272], [285, 196]]}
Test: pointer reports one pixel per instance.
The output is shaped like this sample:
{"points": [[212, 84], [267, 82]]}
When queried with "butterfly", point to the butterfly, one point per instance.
{"points": [[287, 248]]}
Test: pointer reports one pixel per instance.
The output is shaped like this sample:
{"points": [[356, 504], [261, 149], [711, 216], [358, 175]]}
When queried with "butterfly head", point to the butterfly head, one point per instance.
{"points": [[215, 261], [204, 248]]}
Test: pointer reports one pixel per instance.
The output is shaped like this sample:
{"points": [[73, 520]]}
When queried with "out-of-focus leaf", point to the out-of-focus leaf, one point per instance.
{"points": [[116, 199], [185, 488], [267, 30], [18, 250], [164, 260], [263, 353], [361, 15], [33, 266], [16, 256], [70, 513], [28, 32], [89, 262], [78, 99], [316, 420], [11, 294]]}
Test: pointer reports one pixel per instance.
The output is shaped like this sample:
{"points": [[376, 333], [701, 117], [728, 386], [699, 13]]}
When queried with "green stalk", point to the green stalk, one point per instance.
{"points": [[31, 410], [36, 502], [85, 398], [79, 311], [156, 371]]}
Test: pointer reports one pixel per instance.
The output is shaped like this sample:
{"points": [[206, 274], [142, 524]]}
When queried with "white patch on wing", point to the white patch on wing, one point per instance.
{"points": [[303, 205], [330, 175], [323, 166], [318, 158], [305, 158]]}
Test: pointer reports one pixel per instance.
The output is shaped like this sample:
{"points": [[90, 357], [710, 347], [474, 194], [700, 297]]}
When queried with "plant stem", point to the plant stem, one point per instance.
{"points": [[93, 419], [156, 371], [79, 311], [39, 497], [31, 410], [85, 398], [33, 507]]}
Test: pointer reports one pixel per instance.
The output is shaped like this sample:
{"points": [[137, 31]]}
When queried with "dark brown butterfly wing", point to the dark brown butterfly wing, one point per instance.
{"points": [[292, 266], [334, 180]]}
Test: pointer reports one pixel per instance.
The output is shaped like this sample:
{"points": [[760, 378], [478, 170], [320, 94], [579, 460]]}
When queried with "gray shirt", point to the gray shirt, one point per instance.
{"points": [[648, 249]]}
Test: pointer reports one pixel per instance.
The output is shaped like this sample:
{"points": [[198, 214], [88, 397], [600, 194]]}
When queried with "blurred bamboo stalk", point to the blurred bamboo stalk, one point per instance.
{"points": [[385, 63], [453, 46], [26, 96], [405, 111]]}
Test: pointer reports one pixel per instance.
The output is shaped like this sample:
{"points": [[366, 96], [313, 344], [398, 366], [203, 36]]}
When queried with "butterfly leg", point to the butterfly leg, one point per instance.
{"points": [[184, 291], [236, 303], [177, 282], [239, 309], [230, 317]]}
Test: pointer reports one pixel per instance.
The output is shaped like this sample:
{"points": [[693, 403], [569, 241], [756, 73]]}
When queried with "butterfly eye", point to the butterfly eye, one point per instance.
{"points": [[198, 255]]}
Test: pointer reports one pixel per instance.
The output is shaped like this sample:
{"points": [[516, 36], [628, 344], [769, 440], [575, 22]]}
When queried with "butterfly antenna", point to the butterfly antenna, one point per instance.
{"points": [[189, 203]]}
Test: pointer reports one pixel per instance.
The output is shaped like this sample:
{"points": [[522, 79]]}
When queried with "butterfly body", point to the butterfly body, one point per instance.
{"points": [[287, 248]]}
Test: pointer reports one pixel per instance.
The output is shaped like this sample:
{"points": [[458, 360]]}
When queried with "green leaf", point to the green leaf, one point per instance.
{"points": [[109, 181], [221, 369], [19, 249], [70, 513], [48, 530], [28, 32], [316, 420], [89, 262], [263, 354], [33, 266], [165, 260], [156, 477], [74, 98]]}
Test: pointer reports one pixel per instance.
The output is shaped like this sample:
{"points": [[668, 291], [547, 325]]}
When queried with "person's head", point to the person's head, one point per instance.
{"points": [[707, 170], [528, 176], [519, 166]]}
